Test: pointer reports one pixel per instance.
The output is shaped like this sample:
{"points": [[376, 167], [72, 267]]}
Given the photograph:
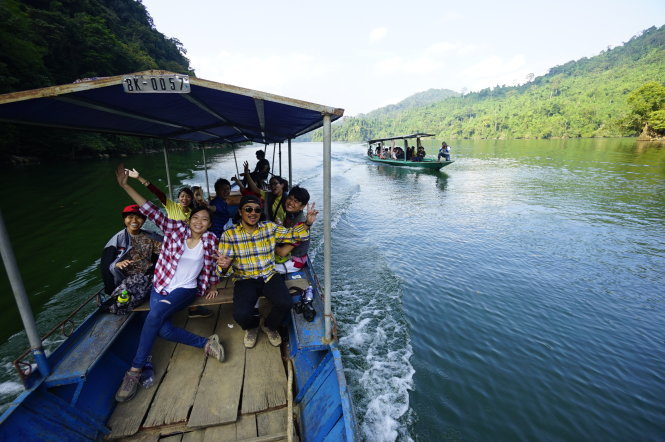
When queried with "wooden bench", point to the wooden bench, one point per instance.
{"points": [[224, 296]]}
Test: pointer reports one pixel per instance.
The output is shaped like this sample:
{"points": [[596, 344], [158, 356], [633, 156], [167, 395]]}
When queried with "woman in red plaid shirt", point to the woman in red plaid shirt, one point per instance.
{"points": [[184, 269]]}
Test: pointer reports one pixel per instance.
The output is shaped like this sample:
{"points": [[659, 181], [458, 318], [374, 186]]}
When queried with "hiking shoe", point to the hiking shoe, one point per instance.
{"points": [[128, 387], [199, 312], [250, 337], [274, 337], [214, 349]]}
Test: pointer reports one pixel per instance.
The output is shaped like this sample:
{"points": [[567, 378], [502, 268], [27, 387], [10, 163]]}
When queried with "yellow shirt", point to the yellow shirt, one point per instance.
{"points": [[175, 211]]}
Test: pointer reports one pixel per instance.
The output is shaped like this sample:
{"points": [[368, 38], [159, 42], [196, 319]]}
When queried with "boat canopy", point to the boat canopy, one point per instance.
{"points": [[403, 137], [199, 111]]}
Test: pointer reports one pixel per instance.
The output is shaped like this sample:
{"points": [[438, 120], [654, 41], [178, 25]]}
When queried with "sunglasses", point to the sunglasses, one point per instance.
{"points": [[252, 209]]}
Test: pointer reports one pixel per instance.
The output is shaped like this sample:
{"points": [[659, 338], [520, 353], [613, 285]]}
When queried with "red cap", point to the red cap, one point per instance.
{"points": [[133, 208]]}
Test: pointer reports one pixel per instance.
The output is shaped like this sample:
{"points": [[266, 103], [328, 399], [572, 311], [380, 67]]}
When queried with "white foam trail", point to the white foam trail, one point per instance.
{"points": [[383, 373], [10, 388]]}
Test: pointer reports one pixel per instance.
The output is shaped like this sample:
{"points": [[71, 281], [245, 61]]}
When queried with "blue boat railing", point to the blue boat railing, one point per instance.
{"points": [[23, 364]]}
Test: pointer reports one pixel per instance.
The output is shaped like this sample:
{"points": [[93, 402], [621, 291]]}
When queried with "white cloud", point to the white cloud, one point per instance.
{"points": [[451, 17], [429, 60], [494, 71], [271, 73], [378, 34]]}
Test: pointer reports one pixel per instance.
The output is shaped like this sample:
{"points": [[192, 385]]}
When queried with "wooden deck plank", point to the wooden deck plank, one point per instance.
{"points": [[264, 385], [194, 436], [142, 437], [272, 422], [243, 428], [246, 427], [178, 389], [174, 438], [128, 416], [218, 397]]}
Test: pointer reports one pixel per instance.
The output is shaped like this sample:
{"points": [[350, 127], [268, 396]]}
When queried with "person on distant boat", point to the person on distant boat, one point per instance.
{"points": [[185, 268], [421, 153], [377, 152], [410, 152], [293, 257], [250, 247], [179, 211], [444, 152], [131, 251], [262, 165]]}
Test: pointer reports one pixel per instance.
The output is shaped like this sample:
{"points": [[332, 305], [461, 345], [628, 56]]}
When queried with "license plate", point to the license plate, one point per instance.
{"points": [[151, 84]]}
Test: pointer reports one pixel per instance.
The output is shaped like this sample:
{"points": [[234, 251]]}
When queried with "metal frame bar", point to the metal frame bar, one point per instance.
{"points": [[22, 300], [327, 236], [290, 166], [205, 168], [168, 174]]}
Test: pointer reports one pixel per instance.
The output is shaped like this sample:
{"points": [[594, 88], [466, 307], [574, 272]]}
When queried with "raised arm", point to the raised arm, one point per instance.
{"points": [[133, 173], [122, 175], [250, 181], [238, 181]]}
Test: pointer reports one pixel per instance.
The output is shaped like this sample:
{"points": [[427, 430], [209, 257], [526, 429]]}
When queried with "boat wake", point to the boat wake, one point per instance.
{"points": [[374, 336]]}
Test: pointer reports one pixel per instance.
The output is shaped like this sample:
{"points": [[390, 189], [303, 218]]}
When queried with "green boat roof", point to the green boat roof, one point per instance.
{"points": [[402, 137]]}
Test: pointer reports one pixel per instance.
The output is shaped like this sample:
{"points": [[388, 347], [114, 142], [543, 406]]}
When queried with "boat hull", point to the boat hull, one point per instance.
{"points": [[78, 406], [427, 163]]}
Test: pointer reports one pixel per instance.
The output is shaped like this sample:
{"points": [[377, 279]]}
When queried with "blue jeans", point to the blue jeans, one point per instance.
{"points": [[158, 323]]}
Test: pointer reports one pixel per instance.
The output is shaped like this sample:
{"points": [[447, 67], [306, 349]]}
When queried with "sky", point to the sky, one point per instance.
{"points": [[362, 55]]}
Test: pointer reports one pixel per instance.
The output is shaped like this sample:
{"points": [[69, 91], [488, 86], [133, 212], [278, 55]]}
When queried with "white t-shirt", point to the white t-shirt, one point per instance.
{"points": [[189, 268]]}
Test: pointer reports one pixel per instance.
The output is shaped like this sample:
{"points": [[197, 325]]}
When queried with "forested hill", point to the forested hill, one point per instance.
{"points": [[44, 43], [416, 100], [612, 94]]}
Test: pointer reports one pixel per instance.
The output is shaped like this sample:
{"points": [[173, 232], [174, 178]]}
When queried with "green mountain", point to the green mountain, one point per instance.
{"points": [[420, 99], [612, 94], [44, 43]]}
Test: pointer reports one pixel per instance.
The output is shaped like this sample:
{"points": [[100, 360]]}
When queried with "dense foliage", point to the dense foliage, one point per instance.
{"points": [[44, 43], [612, 94]]}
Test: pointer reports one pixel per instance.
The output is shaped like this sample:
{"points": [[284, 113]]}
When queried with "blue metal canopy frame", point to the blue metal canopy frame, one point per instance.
{"points": [[211, 113]]}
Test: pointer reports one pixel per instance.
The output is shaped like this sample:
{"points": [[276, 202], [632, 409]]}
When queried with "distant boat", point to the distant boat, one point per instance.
{"points": [[376, 148]]}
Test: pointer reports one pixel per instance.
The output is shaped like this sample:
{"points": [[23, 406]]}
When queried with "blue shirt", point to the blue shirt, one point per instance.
{"points": [[220, 216]]}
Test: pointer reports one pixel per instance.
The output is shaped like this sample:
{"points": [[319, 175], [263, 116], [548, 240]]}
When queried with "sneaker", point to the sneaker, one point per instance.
{"points": [[214, 349], [250, 337], [199, 312], [128, 387], [274, 337]]}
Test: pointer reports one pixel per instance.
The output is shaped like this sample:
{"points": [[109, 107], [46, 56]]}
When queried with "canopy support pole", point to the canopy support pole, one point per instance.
{"points": [[280, 161], [236, 160], [290, 165], [168, 174], [22, 301], [205, 167], [272, 165], [327, 237]]}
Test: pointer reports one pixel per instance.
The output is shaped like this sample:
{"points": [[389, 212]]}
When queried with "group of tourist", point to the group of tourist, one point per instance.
{"points": [[253, 237], [411, 153]]}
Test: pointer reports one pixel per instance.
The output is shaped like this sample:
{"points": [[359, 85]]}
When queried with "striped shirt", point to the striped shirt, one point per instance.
{"points": [[176, 234], [253, 254]]}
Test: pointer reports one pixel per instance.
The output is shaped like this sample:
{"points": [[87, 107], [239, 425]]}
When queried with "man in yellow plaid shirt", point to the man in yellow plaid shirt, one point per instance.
{"points": [[250, 247]]}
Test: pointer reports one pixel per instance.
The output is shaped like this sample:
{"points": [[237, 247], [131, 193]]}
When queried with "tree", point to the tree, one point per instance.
{"points": [[647, 104]]}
